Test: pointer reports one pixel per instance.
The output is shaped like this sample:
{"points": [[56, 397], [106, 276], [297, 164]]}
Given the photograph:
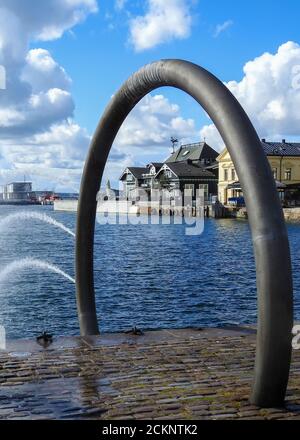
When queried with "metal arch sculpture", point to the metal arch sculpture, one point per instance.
{"points": [[269, 235]]}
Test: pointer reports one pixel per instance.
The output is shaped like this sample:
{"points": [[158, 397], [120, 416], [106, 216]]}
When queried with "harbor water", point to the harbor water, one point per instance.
{"points": [[149, 276]]}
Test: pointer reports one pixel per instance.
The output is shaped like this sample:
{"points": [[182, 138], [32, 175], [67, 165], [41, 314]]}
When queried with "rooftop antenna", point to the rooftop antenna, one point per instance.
{"points": [[174, 142]]}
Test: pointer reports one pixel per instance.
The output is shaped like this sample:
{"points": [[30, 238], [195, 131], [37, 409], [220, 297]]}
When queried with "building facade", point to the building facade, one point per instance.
{"points": [[17, 192], [134, 178], [190, 167], [284, 159]]}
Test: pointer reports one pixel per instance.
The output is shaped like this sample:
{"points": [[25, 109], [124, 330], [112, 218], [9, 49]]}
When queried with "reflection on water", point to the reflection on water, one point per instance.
{"points": [[151, 276]]}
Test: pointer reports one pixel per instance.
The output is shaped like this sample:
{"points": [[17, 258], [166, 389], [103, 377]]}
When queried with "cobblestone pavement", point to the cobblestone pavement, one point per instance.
{"points": [[178, 374]]}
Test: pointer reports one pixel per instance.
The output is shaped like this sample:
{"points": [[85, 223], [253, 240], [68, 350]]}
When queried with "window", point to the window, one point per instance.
{"points": [[274, 171], [225, 175], [288, 174], [233, 174], [204, 186], [189, 190]]}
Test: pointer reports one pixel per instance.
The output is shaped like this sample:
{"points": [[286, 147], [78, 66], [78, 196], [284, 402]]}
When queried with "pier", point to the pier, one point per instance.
{"points": [[167, 374]]}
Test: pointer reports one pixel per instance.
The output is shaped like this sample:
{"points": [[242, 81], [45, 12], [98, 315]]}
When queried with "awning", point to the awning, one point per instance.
{"points": [[235, 185]]}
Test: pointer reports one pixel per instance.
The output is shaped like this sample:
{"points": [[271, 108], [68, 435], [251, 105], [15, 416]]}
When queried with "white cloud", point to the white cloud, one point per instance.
{"points": [[145, 135], [267, 91], [222, 27], [164, 20], [52, 158], [270, 94], [37, 134], [151, 124], [212, 136], [38, 113], [43, 72], [47, 20]]}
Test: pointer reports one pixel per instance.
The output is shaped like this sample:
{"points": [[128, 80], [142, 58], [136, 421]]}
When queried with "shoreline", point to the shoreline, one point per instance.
{"points": [[120, 336]]}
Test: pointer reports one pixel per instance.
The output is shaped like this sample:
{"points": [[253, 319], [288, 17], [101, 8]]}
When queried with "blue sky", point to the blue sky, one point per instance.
{"points": [[65, 59]]}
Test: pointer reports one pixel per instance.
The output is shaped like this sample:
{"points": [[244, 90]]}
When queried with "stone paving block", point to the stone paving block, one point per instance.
{"points": [[187, 374]]}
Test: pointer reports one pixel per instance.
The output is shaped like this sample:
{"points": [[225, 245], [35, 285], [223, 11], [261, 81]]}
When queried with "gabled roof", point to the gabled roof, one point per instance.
{"points": [[137, 172], [197, 151], [224, 153], [157, 165], [188, 170]]}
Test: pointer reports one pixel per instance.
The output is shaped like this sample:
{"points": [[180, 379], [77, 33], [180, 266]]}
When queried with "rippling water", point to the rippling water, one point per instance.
{"points": [[151, 276]]}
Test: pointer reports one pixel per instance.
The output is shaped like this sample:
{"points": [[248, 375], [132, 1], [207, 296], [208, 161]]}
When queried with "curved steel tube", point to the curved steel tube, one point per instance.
{"points": [[269, 235]]}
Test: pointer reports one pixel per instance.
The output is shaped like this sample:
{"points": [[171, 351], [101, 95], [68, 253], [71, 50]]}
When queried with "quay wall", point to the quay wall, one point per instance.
{"points": [[65, 205], [292, 214], [122, 207], [126, 207]]}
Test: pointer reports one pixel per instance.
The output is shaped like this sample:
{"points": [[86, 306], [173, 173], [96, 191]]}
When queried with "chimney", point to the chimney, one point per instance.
{"points": [[283, 141], [263, 140]]}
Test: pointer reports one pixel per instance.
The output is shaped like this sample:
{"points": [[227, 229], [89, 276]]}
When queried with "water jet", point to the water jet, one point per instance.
{"points": [[32, 263], [32, 215]]}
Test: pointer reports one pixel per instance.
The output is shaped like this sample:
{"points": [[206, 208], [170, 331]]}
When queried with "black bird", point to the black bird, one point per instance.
{"points": [[135, 331], [44, 339]]}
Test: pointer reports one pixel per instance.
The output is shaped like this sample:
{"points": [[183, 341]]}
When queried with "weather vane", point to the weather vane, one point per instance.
{"points": [[174, 141]]}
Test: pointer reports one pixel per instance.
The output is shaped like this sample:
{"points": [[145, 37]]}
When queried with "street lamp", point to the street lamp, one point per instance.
{"points": [[276, 153]]}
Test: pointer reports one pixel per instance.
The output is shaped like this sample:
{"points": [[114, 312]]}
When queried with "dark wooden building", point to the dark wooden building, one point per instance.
{"points": [[190, 167]]}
